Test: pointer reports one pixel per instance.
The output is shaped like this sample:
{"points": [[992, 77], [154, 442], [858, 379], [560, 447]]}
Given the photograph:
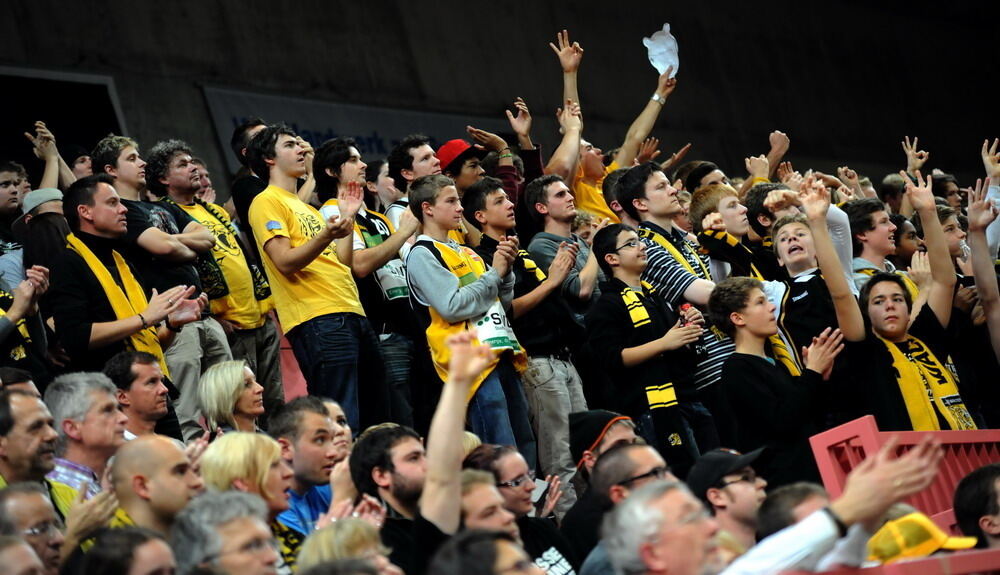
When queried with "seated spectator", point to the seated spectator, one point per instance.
{"points": [[732, 491], [23, 341], [252, 462], [128, 550], [594, 432], [342, 567], [18, 558], [230, 398], [348, 538], [143, 394], [14, 378], [483, 506], [477, 552], [225, 533], [789, 504], [154, 481], [26, 511], [977, 506], [27, 438], [91, 429], [515, 481], [315, 445]]}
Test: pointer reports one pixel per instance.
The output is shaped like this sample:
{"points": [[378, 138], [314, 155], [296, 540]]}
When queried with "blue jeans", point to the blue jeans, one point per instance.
{"points": [[397, 351], [498, 412], [335, 351]]}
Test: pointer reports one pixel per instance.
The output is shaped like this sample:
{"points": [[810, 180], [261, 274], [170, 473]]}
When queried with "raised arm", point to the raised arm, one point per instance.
{"points": [[45, 148], [440, 503], [780, 143], [643, 124], [564, 159], [991, 161], [816, 202], [570, 55], [942, 289], [982, 214]]}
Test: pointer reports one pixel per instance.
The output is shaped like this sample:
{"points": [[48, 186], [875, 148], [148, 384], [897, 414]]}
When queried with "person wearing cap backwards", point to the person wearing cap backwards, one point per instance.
{"points": [[729, 487], [460, 161]]}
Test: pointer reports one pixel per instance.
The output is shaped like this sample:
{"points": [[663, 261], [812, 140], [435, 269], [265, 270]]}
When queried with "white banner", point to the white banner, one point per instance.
{"points": [[377, 130]]}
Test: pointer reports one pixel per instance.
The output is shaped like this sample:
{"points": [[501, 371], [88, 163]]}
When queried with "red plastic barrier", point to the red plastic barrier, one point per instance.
{"points": [[841, 449]]}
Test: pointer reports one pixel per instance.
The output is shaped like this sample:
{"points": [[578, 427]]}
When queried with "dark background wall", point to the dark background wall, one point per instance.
{"points": [[845, 79]]}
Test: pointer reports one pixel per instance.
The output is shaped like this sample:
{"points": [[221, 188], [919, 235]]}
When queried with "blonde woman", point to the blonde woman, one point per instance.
{"points": [[230, 397], [347, 538], [252, 463]]}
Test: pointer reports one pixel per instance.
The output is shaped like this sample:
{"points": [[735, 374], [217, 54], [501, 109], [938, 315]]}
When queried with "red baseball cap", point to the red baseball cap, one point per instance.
{"points": [[455, 152]]}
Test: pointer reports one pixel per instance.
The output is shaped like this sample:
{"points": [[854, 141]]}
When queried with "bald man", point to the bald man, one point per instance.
{"points": [[154, 481]]}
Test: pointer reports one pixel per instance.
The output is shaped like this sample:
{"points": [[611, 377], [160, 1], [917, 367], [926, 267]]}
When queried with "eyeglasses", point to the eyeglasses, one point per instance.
{"points": [[48, 528], [628, 244], [518, 481], [748, 477], [657, 472], [519, 565]]}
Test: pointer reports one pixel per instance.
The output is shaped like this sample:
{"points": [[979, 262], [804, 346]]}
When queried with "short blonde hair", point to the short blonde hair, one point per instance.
{"points": [[219, 390], [348, 538], [239, 455], [475, 477], [470, 441], [706, 200]]}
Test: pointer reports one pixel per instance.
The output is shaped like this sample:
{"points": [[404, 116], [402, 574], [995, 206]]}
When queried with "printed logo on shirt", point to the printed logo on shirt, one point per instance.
{"points": [[553, 563], [273, 225]]}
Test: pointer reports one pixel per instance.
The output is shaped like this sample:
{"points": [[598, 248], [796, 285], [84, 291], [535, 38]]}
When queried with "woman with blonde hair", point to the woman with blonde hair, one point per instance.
{"points": [[347, 538], [230, 397], [252, 463]]}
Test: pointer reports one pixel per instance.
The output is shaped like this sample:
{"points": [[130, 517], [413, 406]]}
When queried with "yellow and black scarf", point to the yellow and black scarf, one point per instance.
{"points": [[17, 351], [125, 304], [702, 270], [928, 388]]}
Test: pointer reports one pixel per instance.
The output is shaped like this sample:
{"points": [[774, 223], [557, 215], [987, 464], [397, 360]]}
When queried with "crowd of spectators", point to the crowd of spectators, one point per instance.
{"points": [[515, 362]]}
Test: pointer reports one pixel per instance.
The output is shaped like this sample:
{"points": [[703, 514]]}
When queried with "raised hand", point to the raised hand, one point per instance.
{"points": [[914, 159], [757, 166], [39, 277], [569, 54], [713, 222], [43, 141], [991, 160], [162, 304], [919, 192], [920, 270], [570, 117], [780, 142], [815, 200], [819, 356], [648, 151], [675, 159], [85, 517], [187, 311], [468, 360], [520, 124], [785, 171], [488, 140], [665, 84], [310, 153], [350, 200], [849, 177], [982, 211], [778, 200], [196, 449], [596, 226]]}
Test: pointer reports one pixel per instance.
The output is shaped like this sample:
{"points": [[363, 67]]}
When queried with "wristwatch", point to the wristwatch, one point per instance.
{"points": [[657, 98]]}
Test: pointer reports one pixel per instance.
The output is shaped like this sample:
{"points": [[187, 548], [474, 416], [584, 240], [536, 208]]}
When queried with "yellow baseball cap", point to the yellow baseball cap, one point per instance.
{"points": [[912, 536]]}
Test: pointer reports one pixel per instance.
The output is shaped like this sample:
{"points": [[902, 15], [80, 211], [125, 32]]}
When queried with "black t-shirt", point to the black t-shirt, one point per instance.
{"points": [[159, 273], [875, 385], [582, 524], [413, 542], [773, 409], [547, 547], [244, 189]]}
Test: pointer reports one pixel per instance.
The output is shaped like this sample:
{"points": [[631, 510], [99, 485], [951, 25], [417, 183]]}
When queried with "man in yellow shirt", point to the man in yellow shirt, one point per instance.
{"points": [[238, 293], [308, 261]]}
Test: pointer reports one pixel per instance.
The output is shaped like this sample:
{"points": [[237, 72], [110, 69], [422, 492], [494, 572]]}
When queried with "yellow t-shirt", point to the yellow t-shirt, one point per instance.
{"points": [[590, 198], [325, 285], [239, 306]]}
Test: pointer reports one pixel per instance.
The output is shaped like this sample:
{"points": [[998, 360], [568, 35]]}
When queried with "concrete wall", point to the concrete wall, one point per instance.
{"points": [[846, 79]]}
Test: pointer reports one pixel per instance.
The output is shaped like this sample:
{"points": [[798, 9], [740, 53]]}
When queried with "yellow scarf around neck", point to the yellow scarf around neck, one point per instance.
{"points": [[664, 243], [125, 304], [926, 383]]}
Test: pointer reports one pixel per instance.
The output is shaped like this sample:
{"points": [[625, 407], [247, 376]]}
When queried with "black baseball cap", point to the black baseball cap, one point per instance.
{"points": [[712, 466]]}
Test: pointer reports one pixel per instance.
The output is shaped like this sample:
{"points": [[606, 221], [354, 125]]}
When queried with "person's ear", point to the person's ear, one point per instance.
{"points": [[541, 208], [121, 396], [287, 449], [426, 208], [618, 493], [737, 319], [71, 429], [480, 217], [140, 486], [407, 174], [611, 259], [765, 221], [241, 484], [716, 497], [589, 460], [640, 204], [381, 477], [990, 524]]}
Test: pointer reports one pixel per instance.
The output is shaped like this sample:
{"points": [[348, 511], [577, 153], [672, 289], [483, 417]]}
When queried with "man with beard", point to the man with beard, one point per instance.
{"points": [[388, 461]]}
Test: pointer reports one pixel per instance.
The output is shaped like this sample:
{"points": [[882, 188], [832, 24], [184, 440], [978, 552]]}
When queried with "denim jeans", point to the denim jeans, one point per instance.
{"points": [[397, 351], [498, 412], [337, 351]]}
